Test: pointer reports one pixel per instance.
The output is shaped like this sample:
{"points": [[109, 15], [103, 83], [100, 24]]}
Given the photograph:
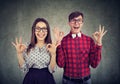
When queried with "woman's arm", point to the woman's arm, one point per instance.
{"points": [[19, 49], [52, 49]]}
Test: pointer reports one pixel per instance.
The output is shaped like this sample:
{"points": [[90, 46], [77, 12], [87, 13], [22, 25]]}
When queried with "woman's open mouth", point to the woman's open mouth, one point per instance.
{"points": [[41, 35]]}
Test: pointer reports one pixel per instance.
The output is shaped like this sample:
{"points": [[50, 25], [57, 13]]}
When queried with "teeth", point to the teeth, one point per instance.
{"points": [[76, 27], [40, 36]]}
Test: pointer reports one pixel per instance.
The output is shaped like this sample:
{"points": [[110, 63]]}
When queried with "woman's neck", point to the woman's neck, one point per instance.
{"points": [[40, 43]]}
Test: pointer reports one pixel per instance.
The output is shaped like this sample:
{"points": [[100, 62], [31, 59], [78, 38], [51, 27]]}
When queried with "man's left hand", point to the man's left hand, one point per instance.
{"points": [[98, 35]]}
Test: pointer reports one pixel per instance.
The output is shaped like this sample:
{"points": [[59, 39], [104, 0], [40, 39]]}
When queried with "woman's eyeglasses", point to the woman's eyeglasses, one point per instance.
{"points": [[38, 29]]}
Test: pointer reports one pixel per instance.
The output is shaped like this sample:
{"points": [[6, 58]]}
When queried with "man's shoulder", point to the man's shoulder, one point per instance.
{"points": [[86, 36], [66, 36]]}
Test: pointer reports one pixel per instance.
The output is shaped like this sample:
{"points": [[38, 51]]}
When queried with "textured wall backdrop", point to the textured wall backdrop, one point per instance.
{"points": [[17, 16]]}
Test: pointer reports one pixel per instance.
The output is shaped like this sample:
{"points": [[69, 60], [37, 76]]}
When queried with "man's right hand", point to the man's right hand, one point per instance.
{"points": [[58, 35]]}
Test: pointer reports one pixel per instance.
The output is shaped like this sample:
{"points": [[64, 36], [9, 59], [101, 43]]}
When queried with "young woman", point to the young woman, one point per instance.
{"points": [[38, 58]]}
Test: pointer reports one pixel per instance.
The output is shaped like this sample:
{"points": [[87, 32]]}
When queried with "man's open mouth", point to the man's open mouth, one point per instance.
{"points": [[76, 27]]}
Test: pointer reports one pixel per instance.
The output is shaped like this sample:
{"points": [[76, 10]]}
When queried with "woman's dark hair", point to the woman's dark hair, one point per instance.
{"points": [[75, 14], [33, 37]]}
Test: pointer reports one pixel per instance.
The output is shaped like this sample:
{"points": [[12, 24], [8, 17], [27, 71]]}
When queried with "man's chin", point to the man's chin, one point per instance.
{"points": [[75, 32]]}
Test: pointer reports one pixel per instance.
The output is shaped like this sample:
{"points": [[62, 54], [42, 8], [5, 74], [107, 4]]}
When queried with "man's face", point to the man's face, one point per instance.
{"points": [[76, 24]]}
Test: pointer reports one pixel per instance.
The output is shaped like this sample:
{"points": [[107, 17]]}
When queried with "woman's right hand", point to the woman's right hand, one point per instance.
{"points": [[20, 47]]}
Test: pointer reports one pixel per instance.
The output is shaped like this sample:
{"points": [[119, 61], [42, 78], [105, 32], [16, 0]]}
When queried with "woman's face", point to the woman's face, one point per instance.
{"points": [[41, 31]]}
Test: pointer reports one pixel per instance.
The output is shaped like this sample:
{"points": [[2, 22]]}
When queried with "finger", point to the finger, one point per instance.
{"points": [[53, 42], [24, 45], [54, 30], [48, 46], [61, 33], [20, 40], [13, 44], [16, 41], [99, 28], [104, 32], [93, 34], [96, 33]]}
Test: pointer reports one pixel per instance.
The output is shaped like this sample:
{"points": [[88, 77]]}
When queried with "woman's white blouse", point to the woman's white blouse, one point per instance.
{"points": [[37, 58]]}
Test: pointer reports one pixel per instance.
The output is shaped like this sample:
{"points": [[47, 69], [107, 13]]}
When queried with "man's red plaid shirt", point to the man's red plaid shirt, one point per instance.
{"points": [[76, 55]]}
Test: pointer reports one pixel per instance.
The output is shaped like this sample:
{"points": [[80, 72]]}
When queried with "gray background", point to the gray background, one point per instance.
{"points": [[17, 16]]}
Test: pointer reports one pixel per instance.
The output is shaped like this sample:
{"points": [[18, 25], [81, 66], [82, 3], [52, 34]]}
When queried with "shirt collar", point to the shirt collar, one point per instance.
{"points": [[43, 47], [74, 35]]}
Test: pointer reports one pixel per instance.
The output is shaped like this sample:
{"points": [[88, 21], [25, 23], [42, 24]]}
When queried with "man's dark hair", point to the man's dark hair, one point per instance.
{"points": [[75, 14]]}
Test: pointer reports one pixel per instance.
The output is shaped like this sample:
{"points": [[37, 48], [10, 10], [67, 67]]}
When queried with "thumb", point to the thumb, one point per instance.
{"points": [[54, 43], [48, 46], [24, 46]]}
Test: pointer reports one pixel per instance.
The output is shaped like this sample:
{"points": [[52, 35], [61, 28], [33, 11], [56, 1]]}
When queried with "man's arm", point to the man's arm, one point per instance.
{"points": [[59, 52], [60, 56], [95, 54], [95, 50]]}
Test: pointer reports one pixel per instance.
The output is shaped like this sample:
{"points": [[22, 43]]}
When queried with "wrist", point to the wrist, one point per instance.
{"points": [[99, 43], [53, 54], [19, 53], [58, 42]]}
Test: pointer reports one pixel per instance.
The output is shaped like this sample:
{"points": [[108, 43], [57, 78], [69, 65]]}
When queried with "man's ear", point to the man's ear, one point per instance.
{"points": [[69, 23]]}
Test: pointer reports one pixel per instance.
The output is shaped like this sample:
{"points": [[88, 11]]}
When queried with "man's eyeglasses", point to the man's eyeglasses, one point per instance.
{"points": [[38, 29], [76, 21]]}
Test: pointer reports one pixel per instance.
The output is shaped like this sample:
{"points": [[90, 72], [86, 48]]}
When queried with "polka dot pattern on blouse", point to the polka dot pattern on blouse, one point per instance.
{"points": [[37, 58]]}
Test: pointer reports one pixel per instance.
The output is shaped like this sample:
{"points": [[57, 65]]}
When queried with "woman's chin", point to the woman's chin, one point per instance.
{"points": [[41, 39]]}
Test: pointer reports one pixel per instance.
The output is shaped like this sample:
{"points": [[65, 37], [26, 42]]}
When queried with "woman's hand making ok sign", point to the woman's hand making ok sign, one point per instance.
{"points": [[20, 47]]}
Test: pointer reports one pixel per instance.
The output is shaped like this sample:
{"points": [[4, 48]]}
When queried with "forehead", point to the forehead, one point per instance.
{"points": [[79, 17], [41, 24]]}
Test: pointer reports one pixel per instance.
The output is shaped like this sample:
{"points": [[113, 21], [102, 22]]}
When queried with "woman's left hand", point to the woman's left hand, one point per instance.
{"points": [[51, 48]]}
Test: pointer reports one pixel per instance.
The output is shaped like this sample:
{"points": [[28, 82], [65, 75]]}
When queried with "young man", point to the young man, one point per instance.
{"points": [[76, 52]]}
